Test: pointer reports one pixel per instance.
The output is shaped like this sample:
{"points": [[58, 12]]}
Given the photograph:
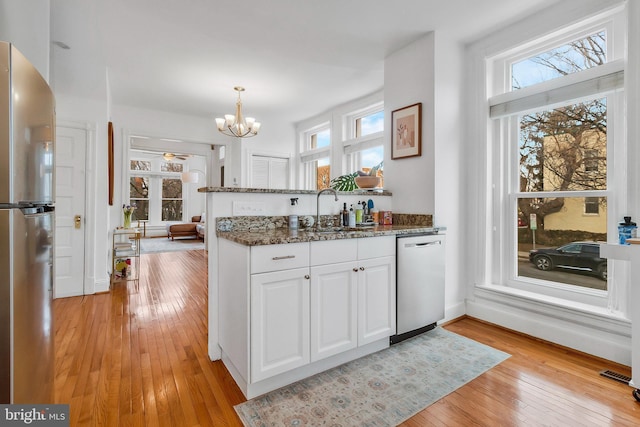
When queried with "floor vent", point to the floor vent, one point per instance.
{"points": [[616, 376]]}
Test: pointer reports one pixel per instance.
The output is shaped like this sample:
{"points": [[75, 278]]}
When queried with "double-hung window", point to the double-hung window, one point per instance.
{"points": [[363, 146], [156, 189], [315, 157], [557, 119]]}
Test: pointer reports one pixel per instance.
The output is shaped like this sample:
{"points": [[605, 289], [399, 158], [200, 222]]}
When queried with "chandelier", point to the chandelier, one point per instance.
{"points": [[238, 125]]}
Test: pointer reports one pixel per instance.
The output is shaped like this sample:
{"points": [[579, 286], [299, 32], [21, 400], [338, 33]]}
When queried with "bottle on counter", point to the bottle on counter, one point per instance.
{"points": [[345, 216], [352, 217], [627, 230], [293, 218], [359, 212]]}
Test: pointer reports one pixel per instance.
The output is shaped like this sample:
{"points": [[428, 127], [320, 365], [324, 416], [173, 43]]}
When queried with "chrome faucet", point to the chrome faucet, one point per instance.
{"points": [[326, 190]]}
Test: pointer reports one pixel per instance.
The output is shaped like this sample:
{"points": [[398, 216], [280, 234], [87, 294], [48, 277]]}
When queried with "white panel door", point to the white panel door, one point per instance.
{"points": [[334, 307], [70, 149], [279, 322], [376, 299]]}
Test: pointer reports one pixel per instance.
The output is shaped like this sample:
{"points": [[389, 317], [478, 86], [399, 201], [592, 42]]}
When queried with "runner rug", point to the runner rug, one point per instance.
{"points": [[381, 389]]}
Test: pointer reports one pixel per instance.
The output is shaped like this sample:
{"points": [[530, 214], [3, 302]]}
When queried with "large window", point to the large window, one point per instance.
{"points": [[553, 111], [156, 188]]}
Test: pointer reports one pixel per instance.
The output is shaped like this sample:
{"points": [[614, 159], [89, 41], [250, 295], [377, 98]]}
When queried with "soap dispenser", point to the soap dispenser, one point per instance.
{"points": [[293, 218]]}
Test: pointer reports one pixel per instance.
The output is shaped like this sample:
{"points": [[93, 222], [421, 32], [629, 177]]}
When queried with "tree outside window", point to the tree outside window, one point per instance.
{"points": [[562, 153]]}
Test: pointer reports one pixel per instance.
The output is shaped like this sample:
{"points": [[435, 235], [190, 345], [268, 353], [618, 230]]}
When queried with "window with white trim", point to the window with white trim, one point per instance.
{"points": [[315, 157], [363, 146], [557, 118], [156, 188]]}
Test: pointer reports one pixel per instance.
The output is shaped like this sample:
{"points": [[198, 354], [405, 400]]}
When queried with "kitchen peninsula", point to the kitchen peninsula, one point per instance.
{"points": [[285, 304]]}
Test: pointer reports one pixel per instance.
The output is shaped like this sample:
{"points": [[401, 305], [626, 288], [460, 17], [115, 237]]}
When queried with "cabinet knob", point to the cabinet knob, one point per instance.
{"points": [[306, 276], [361, 268], [355, 269]]}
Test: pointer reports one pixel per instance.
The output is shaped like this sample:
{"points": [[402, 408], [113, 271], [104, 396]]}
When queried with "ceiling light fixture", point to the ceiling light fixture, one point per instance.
{"points": [[238, 125]]}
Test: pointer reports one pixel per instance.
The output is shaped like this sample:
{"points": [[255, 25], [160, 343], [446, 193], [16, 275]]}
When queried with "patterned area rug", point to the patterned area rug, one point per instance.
{"points": [[162, 244], [382, 389]]}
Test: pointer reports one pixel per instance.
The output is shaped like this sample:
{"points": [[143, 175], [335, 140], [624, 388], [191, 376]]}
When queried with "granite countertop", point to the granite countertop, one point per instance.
{"points": [[284, 235], [357, 192]]}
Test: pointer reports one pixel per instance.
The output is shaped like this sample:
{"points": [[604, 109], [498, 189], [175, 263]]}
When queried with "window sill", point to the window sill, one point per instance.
{"points": [[559, 306]]}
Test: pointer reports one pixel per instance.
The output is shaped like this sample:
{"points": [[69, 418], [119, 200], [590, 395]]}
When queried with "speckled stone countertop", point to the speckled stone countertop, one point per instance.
{"points": [[271, 230], [375, 192], [284, 235]]}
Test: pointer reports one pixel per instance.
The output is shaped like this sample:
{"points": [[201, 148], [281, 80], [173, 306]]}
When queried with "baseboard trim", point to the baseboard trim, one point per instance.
{"points": [[603, 341]]}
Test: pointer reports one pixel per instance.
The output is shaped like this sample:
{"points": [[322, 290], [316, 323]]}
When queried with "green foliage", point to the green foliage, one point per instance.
{"points": [[344, 182]]}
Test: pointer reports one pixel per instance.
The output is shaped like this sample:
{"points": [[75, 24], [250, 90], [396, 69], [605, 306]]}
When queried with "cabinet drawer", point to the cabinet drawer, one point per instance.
{"points": [[374, 247], [333, 251], [279, 257]]}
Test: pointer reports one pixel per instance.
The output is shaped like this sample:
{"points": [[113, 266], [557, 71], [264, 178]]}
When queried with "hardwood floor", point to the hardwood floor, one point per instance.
{"points": [[136, 357]]}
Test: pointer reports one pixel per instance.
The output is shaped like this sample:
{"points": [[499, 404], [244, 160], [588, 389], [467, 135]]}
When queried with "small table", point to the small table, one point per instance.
{"points": [[144, 226]]}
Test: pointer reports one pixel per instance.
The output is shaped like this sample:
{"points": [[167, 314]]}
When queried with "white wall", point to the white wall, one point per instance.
{"points": [[450, 192], [26, 25], [408, 79], [430, 71]]}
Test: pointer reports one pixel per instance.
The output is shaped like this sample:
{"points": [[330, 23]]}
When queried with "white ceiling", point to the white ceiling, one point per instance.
{"points": [[296, 58]]}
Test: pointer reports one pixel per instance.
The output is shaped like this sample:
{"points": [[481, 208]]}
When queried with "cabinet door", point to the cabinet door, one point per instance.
{"points": [[279, 322], [376, 299], [334, 307]]}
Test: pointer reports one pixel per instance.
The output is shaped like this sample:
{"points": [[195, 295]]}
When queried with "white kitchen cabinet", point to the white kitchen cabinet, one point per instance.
{"points": [[352, 303], [376, 299], [334, 294], [288, 311], [279, 322]]}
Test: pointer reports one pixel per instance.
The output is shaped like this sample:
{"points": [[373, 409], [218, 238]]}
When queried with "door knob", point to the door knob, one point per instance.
{"points": [[77, 221]]}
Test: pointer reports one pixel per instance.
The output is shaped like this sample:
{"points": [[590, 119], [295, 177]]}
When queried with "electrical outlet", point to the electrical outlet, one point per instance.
{"points": [[248, 208]]}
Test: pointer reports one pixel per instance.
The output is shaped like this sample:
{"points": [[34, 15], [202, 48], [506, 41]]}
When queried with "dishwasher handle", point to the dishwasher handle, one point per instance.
{"points": [[422, 244]]}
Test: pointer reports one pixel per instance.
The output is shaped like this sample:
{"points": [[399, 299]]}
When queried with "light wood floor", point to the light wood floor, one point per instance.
{"points": [[138, 357]]}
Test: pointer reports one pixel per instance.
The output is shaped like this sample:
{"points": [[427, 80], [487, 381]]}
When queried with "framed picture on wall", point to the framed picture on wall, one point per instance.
{"points": [[406, 131]]}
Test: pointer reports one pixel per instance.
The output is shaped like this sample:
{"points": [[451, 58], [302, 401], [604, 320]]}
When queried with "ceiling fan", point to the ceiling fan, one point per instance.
{"points": [[171, 156]]}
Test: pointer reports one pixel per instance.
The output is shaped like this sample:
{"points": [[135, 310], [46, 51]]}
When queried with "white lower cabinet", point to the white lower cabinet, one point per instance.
{"points": [[376, 299], [288, 311], [334, 305], [279, 322]]}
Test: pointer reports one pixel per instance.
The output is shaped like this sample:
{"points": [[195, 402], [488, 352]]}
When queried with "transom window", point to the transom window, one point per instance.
{"points": [[581, 54]]}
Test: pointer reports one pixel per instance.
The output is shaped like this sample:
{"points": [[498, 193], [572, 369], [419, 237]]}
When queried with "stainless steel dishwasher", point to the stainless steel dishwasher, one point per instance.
{"points": [[420, 284]]}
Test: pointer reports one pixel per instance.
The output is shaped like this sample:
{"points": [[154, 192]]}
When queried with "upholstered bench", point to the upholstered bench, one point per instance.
{"points": [[183, 229]]}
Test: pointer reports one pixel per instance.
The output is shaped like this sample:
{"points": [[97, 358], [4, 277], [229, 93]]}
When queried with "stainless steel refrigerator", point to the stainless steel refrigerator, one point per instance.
{"points": [[27, 128]]}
